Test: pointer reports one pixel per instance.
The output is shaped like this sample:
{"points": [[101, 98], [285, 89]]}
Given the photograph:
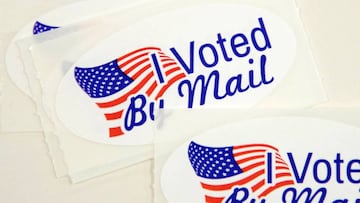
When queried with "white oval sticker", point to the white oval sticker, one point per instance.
{"points": [[280, 159], [185, 58]]}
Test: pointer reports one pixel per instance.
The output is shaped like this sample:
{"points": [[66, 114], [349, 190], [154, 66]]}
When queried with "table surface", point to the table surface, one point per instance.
{"points": [[26, 173]]}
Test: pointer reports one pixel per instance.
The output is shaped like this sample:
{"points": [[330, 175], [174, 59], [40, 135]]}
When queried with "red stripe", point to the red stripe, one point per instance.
{"points": [[161, 53], [117, 131], [280, 162], [168, 72], [280, 158], [140, 72], [164, 59], [279, 175], [151, 88], [258, 185], [170, 82], [252, 166], [229, 185], [131, 60], [169, 64], [114, 116], [138, 50], [256, 145], [131, 68], [125, 96], [209, 199], [282, 167], [249, 159]]}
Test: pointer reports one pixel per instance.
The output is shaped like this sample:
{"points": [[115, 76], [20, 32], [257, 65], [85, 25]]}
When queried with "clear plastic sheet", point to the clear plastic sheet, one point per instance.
{"points": [[18, 113], [37, 108], [17, 86], [73, 156]]}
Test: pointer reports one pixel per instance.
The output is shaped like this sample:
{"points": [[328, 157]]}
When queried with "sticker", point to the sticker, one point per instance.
{"points": [[60, 17], [280, 159], [186, 58]]}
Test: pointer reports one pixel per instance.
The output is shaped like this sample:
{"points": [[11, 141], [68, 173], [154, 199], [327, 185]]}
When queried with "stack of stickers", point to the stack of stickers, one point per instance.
{"points": [[111, 85]]}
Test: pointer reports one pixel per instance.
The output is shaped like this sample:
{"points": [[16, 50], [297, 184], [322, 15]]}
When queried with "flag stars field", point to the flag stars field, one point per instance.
{"points": [[104, 75], [40, 28], [207, 162]]}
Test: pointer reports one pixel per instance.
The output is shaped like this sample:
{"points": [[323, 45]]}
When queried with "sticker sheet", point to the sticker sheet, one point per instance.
{"points": [[99, 84], [128, 82]]}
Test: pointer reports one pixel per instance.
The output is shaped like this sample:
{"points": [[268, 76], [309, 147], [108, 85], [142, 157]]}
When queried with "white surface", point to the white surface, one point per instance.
{"points": [[26, 171], [334, 35]]}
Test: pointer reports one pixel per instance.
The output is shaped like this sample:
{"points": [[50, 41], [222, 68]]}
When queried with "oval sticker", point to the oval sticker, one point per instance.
{"points": [[186, 58], [279, 159]]}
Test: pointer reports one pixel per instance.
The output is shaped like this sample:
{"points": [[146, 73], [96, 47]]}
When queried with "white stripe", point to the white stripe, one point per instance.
{"points": [[115, 123]]}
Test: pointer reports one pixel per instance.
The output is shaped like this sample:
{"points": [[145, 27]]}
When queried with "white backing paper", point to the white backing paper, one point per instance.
{"points": [[16, 75], [60, 54]]}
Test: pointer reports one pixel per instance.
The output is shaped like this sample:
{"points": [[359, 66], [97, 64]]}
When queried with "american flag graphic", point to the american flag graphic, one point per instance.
{"points": [[148, 71], [40, 28], [220, 169]]}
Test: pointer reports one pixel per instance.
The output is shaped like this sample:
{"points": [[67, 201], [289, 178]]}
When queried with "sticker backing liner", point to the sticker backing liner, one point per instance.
{"points": [[67, 149], [16, 84], [70, 153]]}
